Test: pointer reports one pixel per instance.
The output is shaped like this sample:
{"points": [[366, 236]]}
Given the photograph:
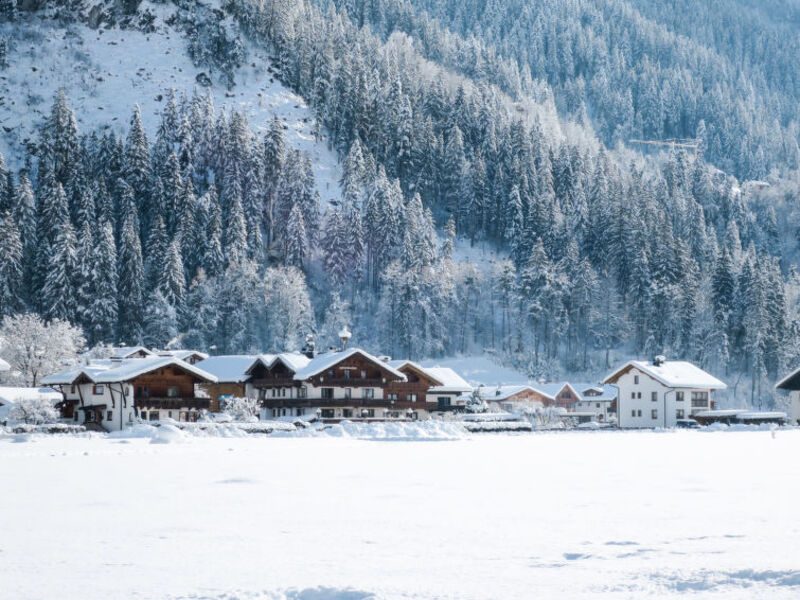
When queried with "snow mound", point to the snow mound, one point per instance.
{"points": [[169, 434], [316, 593], [396, 431]]}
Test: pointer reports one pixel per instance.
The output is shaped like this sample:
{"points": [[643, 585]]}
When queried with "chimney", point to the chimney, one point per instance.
{"points": [[308, 349], [659, 360], [344, 336]]}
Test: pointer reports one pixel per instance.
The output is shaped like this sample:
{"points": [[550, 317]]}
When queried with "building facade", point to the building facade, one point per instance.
{"points": [[791, 384], [658, 393]]}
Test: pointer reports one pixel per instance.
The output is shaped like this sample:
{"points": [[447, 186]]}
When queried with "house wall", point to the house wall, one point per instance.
{"points": [[639, 397], [417, 384], [215, 390], [601, 408], [794, 411], [339, 414], [122, 409]]}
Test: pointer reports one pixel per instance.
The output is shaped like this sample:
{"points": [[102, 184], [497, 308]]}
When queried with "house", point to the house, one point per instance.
{"points": [[233, 373], [343, 384], [436, 388], [599, 400], [122, 352], [658, 393], [108, 395], [740, 416], [791, 383], [513, 398]]}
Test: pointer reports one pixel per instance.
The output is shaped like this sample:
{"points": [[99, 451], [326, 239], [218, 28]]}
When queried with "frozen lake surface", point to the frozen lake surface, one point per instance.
{"points": [[553, 515]]}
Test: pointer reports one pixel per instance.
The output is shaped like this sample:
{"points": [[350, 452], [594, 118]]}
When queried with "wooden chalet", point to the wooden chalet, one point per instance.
{"points": [[111, 394]]}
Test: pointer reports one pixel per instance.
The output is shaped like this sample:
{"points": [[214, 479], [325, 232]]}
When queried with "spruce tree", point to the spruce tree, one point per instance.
{"points": [[296, 239], [102, 320], [11, 267], [131, 285]]}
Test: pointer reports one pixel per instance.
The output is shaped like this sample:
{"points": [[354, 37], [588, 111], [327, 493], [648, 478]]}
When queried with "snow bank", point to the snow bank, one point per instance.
{"points": [[169, 434], [389, 431]]}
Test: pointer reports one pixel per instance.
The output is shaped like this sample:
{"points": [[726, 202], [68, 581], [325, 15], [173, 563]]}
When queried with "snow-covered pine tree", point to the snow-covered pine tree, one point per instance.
{"points": [[131, 289], [171, 280], [297, 247], [102, 317], [11, 267]]}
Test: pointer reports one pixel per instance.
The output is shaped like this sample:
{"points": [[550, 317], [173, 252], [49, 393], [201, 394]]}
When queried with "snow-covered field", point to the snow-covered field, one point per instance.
{"points": [[622, 515]]}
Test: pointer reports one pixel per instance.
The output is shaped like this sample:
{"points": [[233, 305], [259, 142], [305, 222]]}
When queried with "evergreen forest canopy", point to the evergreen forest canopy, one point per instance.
{"points": [[211, 236]]}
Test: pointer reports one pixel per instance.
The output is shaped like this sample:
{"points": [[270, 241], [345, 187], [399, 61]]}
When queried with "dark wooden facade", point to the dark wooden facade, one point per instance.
{"points": [[418, 382], [168, 388]]}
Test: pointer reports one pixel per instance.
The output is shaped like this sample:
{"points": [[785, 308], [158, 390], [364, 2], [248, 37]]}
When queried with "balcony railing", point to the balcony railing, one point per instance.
{"points": [[699, 403], [345, 402], [172, 403]]}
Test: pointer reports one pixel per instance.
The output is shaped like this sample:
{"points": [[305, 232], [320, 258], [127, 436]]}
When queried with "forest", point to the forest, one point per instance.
{"points": [[458, 126]]}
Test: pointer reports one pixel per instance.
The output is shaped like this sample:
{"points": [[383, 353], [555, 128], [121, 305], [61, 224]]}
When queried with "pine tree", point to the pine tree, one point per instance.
{"points": [[296, 239], [102, 319], [171, 280], [160, 323], [58, 291], [8, 10], [235, 247], [335, 249], [136, 165], [156, 252], [84, 279], [131, 285], [11, 267]]}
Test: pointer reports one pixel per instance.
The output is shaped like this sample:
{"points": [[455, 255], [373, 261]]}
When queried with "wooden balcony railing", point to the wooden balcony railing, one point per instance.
{"points": [[346, 402], [172, 403]]}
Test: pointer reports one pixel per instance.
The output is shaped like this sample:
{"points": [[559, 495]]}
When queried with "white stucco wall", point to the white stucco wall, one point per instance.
{"points": [[122, 410], [638, 397]]}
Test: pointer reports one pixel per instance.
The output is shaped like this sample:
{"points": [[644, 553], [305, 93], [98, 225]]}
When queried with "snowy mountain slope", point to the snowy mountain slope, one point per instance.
{"points": [[105, 72]]}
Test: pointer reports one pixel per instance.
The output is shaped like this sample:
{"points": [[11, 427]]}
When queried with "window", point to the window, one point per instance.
{"points": [[326, 413], [367, 393], [110, 415], [330, 373], [142, 391], [367, 413], [654, 414], [635, 380], [639, 395], [327, 393], [172, 391], [363, 374], [274, 392], [597, 405], [89, 416], [348, 392], [274, 412], [75, 416], [72, 389], [347, 373], [679, 413], [301, 412], [154, 415], [169, 414], [143, 415], [700, 399], [633, 395], [411, 397], [633, 413], [678, 396], [654, 396], [302, 392], [639, 413], [347, 413], [98, 390], [391, 397], [262, 393]]}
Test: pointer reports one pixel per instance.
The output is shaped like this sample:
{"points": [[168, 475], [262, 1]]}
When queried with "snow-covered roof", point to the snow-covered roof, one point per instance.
{"points": [[672, 373], [112, 371], [504, 392], [231, 368], [450, 380], [294, 360], [325, 361], [790, 382], [183, 354], [605, 393], [128, 351], [722, 412], [4, 366]]}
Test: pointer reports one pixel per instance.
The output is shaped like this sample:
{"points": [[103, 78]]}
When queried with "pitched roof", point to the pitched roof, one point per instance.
{"points": [[127, 351], [231, 368], [183, 354], [329, 359], [294, 360], [790, 382], [113, 371], [672, 373], [504, 392], [450, 380]]}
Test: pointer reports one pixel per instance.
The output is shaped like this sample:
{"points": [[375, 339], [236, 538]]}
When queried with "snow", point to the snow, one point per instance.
{"points": [[230, 368], [451, 381], [675, 373], [502, 392], [112, 371], [479, 370], [551, 515], [106, 72], [325, 361], [11, 395], [4, 366]]}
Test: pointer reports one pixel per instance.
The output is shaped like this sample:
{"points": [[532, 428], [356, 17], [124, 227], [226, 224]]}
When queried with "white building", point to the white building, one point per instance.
{"points": [[109, 395], [657, 393], [791, 383]]}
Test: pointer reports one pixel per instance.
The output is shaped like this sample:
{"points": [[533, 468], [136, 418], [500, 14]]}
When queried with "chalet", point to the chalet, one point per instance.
{"points": [[599, 400], [123, 352], [791, 383], [435, 388], [514, 398], [346, 384], [233, 373], [660, 392], [108, 395]]}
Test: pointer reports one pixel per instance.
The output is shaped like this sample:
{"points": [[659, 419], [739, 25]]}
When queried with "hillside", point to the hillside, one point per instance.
{"points": [[451, 196], [106, 70]]}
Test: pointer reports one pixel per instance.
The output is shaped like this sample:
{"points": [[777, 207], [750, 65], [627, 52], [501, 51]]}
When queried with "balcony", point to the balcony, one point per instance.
{"points": [[172, 403], [700, 404], [345, 402]]}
